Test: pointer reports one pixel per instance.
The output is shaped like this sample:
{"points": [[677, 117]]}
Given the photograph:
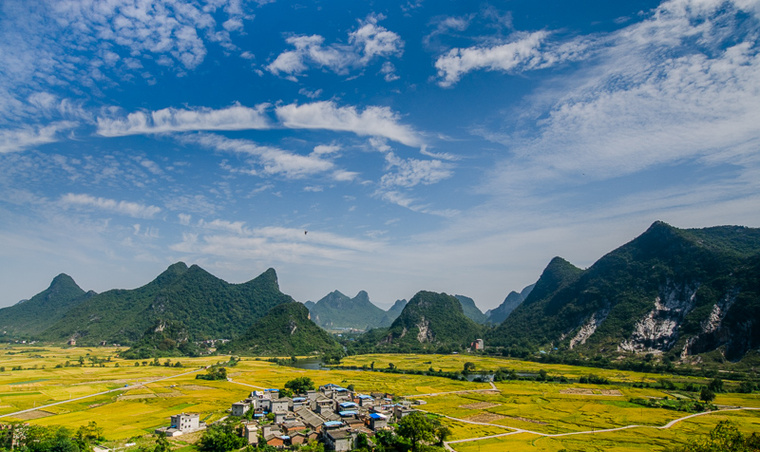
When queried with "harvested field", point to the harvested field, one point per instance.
{"points": [[587, 391], [486, 417], [195, 387], [137, 396], [478, 406], [36, 414], [524, 419]]}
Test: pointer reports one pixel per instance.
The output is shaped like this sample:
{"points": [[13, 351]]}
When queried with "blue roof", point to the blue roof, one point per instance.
{"points": [[365, 396], [299, 399], [377, 416], [333, 424], [347, 404], [347, 413]]}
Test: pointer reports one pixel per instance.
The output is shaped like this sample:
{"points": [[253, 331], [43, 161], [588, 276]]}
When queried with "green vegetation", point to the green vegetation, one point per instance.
{"points": [[429, 322], [470, 310], [28, 318], [213, 373], [718, 265], [190, 300], [35, 438], [284, 331], [725, 437], [165, 338], [221, 438]]}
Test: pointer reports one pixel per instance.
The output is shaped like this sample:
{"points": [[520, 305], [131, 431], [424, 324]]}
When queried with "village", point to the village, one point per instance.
{"points": [[331, 414]]}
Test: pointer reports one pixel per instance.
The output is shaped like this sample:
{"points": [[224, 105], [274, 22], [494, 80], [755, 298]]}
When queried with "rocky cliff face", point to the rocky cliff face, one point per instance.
{"points": [[669, 291]]}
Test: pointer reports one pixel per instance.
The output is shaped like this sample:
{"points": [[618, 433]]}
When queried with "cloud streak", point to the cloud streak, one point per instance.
{"points": [[127, 208], [373, 121], [167, 120]]}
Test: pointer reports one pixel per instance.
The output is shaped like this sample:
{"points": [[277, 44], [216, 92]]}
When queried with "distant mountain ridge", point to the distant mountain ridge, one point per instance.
{"points": [[337, 311], [670, 291], [471, 310], [513, 300]]}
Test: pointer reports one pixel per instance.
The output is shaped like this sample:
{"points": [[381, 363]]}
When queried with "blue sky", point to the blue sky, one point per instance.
{"points": [[451, 146]]}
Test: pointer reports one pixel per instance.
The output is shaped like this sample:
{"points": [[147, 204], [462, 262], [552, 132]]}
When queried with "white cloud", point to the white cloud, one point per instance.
{"points": [[30, 136], [527, 51], [236, 117], [277, 244], [365, 44], [272, 160], [373, 121], [184, 219], [654, 98], [323, 149], [131, 209], [411, 172]]}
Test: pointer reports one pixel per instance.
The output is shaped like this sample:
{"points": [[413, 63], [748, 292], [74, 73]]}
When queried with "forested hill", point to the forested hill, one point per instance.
{"points": [[27, 318], [203, 305], [672, 291], [284, 331], [430, 321]]}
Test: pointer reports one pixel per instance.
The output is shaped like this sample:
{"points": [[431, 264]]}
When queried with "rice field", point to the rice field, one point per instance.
{"points": [[522, 415]]}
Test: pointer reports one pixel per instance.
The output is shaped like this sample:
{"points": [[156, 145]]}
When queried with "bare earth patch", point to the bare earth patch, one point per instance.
{"points": [[36, 414], [486, 417], [587, 391], [478, 406], [195, 387]]}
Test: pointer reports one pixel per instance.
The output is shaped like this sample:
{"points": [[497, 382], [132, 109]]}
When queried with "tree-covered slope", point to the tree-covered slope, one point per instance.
{"points": [[392, 313], [429, 321], [284, 331], [338, 311], [205, 306], [471, 310], [669, 290], [29, 317]]}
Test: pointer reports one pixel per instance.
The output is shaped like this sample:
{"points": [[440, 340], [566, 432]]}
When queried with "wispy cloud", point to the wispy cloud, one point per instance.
{"points": [[274, 243], [365, 44], [128, 208], [524, 52], [236, 117], [411, 172], [372, 121], [30, 136], [681, 85], [270, 159]]}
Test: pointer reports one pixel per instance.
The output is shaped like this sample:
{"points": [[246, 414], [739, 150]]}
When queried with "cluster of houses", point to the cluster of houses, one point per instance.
{"points": [[332, 414]]}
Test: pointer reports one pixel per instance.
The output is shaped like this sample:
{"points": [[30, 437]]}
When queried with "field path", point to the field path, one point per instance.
{"points": [[125, 388], [244, 384], [587, 432]]}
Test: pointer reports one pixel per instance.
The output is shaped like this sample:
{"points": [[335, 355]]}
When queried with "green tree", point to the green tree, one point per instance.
{"points": [[716, 385], [421, 429], [300, 385], [162, 444], [706, 395], [468, 367], [220, 438], [725, 437]]}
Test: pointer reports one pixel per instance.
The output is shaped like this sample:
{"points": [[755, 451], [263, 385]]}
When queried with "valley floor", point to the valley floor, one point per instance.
{"points": [[130, 401]]}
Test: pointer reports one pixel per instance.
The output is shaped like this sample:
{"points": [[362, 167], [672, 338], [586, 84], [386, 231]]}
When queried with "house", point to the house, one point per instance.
{"points": [[338, 440], [251, 433], [182, 423], [477, 344], [324, 405], [239, 409], [378, 421], [298, 438], [281, 405], [275, 440], [311, 419]]}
